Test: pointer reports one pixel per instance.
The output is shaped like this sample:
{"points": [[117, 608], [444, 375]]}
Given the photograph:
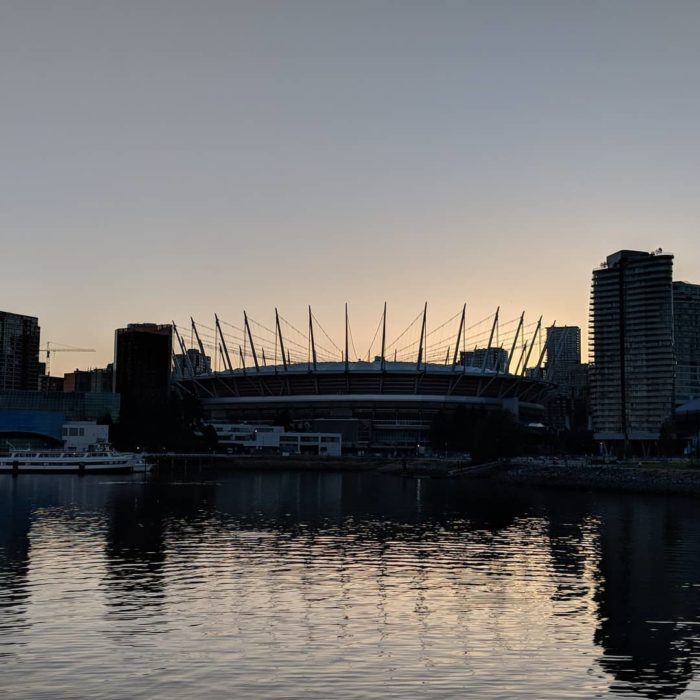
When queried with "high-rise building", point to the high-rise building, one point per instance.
{"points": [[142, 361], [631, 345], [567, 408], [19, 352], [686, 340], [563, 346]]}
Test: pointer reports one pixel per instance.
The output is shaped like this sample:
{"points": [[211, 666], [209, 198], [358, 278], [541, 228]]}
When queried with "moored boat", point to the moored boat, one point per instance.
{"points": [[72, 461]]}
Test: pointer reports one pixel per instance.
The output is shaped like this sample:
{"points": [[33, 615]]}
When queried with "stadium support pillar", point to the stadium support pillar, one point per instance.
{"points": [[199, 341], [532, 344], [544, 350], [252, 345], [488, 347], [279, 333], [347, 329], [515, 342], [311, 339], [459, 335], [185, 356], [223, 344], [383, 365], [422, 337]]}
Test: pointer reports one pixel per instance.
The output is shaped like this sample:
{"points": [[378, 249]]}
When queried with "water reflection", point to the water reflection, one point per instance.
{"points": [[649, 597], [396, 586], [14, 564]]}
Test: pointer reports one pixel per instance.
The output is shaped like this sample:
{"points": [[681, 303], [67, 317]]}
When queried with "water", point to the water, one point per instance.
{"points": [[309, 585]]}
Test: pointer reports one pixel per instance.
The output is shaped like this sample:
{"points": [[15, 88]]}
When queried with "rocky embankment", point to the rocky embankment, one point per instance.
{"points": [[638, 478]]}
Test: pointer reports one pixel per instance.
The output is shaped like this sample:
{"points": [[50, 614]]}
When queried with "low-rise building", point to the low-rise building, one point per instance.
{"points": [[84, 435], [324, 444], [274, 438], [89, 381]]}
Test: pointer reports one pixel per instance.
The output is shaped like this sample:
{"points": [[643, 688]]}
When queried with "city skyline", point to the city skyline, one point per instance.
{"points": [[161, 164]]}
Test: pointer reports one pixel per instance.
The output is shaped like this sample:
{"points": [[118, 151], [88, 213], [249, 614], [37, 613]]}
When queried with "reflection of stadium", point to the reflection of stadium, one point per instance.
{"points": [[381, 404]]}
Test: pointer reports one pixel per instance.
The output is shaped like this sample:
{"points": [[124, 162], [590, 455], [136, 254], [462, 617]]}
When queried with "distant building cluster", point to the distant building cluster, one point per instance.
{"points": [[640, 386]]}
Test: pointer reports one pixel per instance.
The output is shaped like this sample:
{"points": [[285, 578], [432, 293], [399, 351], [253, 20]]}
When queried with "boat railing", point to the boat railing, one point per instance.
{"points": [[64, 454]]}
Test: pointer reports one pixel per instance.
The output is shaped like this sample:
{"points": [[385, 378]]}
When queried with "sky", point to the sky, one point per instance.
{"points": [[161, 160]]}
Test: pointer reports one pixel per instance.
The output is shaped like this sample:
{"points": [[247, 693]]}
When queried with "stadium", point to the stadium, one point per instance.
{"points": [[385, 402]]}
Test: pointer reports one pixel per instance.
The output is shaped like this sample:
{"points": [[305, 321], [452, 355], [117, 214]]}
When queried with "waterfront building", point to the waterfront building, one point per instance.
{"points": [[383, 406], [389, 409], [274, 438], [686, 338], [142, 358], [142, 363], [84, 435], [631, 346], [29, 429], [19, 352], [81, 406]]}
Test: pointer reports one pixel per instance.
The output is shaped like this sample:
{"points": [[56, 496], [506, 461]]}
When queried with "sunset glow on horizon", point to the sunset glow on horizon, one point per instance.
{"points": [[163, 161]]}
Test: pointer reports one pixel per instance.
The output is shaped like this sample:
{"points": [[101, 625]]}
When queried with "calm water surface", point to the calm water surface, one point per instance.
{"points": [[309, 585]]}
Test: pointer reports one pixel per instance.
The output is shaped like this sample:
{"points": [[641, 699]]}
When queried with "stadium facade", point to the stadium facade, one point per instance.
{"points": [[377, 406]]}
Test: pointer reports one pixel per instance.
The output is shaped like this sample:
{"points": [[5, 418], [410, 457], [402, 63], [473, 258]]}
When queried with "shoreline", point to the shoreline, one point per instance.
{"points": [[627, 478], [669, 479]]}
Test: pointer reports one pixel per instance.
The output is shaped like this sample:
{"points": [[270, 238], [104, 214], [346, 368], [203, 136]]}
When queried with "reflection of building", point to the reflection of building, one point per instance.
{"points": [[17, 514], [686, 338], [19, 352], [631, 335], [649, 564]]}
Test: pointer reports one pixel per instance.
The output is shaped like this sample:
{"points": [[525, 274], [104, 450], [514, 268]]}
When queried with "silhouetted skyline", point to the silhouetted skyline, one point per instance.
{"points": [[163, 160]]}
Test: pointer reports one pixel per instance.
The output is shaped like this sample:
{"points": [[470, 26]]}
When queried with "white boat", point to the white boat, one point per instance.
{"points": [[71, 461]]}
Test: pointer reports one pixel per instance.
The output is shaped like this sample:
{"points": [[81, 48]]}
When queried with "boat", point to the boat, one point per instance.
{"points": [[72, 461]]}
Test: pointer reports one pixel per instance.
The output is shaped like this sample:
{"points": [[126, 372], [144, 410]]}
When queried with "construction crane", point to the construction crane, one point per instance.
{"points": [[50, 349]]}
